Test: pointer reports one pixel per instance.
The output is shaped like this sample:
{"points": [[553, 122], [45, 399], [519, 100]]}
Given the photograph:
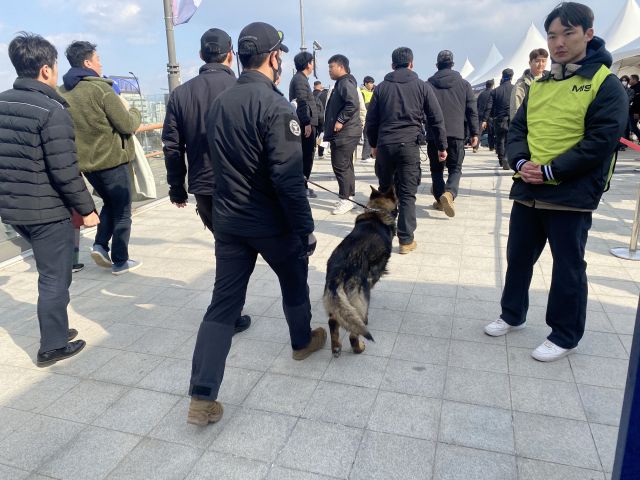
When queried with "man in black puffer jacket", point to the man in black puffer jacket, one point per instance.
{"points": [[498, 107], [40, 183], [482, 103], [458, 103]]}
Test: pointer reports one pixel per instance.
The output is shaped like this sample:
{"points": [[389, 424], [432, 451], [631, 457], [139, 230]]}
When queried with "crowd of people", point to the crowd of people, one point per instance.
{"points": [[247, 156]]}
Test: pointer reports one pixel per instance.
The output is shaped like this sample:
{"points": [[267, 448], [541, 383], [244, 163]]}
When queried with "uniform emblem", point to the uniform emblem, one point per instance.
{"points": [[294, 127]]}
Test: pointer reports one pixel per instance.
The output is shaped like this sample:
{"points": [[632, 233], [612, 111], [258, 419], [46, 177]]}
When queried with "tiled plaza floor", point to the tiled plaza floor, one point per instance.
{"points": [[433, 398]]}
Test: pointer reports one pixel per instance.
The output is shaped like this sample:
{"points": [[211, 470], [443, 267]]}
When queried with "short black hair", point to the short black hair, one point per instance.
{"points": [[30, 52], [571, 14], [635, 77], [623, 78], [443, 65], [214, 57], [341, 61], [537, 53], [301, 60], [402, 57], [316, 83], [251, 62], [368, 79], [78, 52], [488, 84]]}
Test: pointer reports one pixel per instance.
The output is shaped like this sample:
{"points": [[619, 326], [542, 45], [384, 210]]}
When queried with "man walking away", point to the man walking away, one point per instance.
{"points": [[499, 108], [537, 63], [320, 97], [40, 185], [482, 103], [343, 129], [367, 93], [634, 109], [104, 126], [308, 114], [562, 143], [394, 125], [260, 207], [458, 104]]}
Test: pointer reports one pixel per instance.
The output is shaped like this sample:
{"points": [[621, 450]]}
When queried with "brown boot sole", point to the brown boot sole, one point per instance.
{"points": [[204, 417], [305, 352], [447, 206]]}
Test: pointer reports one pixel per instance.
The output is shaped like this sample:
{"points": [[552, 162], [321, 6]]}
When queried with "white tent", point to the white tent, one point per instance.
{"points": [[624, 28], [492, 59], [626, 60], [518, 61], [467, 69]]}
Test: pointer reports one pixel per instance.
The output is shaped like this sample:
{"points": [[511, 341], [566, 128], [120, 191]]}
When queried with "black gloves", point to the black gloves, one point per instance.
{"points": [[178, 194], [308, 245]]}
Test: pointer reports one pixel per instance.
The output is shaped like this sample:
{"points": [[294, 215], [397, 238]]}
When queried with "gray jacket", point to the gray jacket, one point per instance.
{"points": [[521, 90]]}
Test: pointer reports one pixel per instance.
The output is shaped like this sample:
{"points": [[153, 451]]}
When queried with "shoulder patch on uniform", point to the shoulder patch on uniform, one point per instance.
{"points": [[292, 129]]}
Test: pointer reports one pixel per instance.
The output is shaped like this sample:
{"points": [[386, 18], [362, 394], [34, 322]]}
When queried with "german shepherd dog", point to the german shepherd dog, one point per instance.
{"points": [[355, 266]]}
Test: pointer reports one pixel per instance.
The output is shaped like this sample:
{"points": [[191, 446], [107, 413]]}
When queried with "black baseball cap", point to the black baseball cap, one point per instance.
{"points": [[215, 42], [507, 73], [445, 56], [257, 38]]}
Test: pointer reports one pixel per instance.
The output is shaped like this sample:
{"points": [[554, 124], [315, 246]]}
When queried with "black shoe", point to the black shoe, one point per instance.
{"points": [[77, 267], [73, 333], [311, 193], [52, 356], [242, 324]]}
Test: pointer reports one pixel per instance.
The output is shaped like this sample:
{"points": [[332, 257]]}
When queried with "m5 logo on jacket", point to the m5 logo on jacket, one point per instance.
{"points": [[583, 88]]}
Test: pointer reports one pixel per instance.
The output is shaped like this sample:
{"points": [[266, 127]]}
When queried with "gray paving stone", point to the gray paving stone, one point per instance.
{"points": [[257, 306], [382, 456], [407, 415], [137, 412], [627, 341], [342, 404], [476, 426], [118, 335], [214, 465], [185, 351], [85, 363], [599, 371], [253, 354], [606, 438], [536, 470], [156, 460], [90, 455], [322, 448], [460, 463], [86, 401], [255, 434], [281, 473], [472, 330], [312, 367], [554, 439], [150, 314], [389, 300], [10, 473], [478, 356], [479, 388], [31, 444], [521, 363], [601, 345], [45, 390], [431, 305], [359, 370], [414, 378], [268, 329], [386, 320], [546, 397], [281, 394], [602, 405], [236, 385], [422, 349], [477, 309], [160, 341], [127, 368], [530, 337], [176, 297], [171, 376], [382, 347], [12, 420], [427, 325], [187, 319]]}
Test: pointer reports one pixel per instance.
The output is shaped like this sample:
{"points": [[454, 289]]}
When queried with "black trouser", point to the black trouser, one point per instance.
{"points": [[400, 163], [52, 245], [319, 131], [491, 134], [235, 261], [204, 208], [114, 187], [567, 232], [633, 127], [502, 128], [366, 148], [308, 152], [342, 162], [455, 157]]}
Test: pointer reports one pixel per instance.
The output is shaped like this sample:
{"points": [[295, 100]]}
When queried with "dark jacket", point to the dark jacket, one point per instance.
{"points": [[256, 153], [457, 101], [300, 91], [482, 104], [499, 103], [634, 106], [184, 131], [40, 180], [397, 108], [320, 97], [344, 107], [582, 170]]}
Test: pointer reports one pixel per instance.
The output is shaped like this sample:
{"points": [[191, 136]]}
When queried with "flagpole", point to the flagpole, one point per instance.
{"points": [[173, 67], [303, 47]]}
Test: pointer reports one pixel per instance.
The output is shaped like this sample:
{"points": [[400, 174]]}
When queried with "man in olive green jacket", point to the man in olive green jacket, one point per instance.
{"points": [[104, 126]]}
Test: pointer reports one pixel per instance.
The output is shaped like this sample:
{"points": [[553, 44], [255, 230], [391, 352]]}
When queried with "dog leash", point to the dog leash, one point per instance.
{"points": [[337, 195]]}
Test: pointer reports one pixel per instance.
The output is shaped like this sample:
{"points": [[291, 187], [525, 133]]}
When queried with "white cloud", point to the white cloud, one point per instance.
{"points": [[7, 72], [62, 40], [117, 15]]}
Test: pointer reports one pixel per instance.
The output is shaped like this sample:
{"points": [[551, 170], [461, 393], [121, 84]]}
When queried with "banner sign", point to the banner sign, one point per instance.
{"points": [[183, 10]]}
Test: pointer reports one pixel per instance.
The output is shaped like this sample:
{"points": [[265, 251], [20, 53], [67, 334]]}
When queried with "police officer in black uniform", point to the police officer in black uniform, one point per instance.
{"points": [[260, 206], [499, 107]]}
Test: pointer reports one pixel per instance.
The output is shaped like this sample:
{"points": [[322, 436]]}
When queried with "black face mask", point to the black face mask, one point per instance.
{"points": [[277, 72]]}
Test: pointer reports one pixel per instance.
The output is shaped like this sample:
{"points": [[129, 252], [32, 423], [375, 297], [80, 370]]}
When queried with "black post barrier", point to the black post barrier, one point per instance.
{"points": [[627, 462]]}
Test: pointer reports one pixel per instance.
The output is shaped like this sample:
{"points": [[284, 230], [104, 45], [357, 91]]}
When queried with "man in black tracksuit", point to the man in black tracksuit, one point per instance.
{"points": [[300, 91], [498, 107], [458, 103], [634, 107], [320, 96], [40, 184], [259, 207], [343, 129], [560, 177], [393, 125], [482, 103]]}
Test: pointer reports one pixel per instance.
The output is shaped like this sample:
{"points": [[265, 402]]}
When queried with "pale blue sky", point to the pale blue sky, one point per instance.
{"points": [[130, 33]]}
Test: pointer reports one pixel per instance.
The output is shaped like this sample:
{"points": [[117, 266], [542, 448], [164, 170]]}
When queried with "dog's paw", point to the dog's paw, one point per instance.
{"points": [[336, 352]]}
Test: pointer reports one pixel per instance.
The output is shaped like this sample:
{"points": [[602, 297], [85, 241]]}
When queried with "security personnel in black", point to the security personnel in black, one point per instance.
{"points": [[259, 207], [482, 103], [499, 107]]}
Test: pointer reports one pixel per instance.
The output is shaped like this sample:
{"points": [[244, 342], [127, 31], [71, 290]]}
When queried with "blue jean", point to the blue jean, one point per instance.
{"points": [[114, 187]]}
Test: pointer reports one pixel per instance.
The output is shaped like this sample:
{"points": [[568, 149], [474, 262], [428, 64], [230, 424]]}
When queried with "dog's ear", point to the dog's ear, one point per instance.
{"points": [[374, 193], [391, 193]]}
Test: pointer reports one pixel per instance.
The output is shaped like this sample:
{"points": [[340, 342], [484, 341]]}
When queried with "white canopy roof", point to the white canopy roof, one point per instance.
{"points": [[624, 28], [518, 61], [493, 58], [467, 69], [629, 50]]}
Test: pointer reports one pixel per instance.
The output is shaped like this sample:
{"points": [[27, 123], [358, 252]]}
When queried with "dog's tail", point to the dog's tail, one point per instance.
{"points": [[349, 307]]}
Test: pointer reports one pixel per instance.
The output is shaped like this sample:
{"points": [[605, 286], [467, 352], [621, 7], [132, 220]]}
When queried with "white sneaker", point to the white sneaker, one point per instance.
{"points": [[500, 327], [550, 352], [368, 160], [343, 207]]}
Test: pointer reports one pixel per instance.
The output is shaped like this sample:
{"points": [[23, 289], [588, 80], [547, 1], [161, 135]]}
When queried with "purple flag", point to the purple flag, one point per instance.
{"points": [[183, 10]]}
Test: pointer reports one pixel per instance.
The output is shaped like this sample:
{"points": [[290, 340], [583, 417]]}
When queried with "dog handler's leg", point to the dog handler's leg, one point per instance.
{"points": [[356, 344], [336, 344]]}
